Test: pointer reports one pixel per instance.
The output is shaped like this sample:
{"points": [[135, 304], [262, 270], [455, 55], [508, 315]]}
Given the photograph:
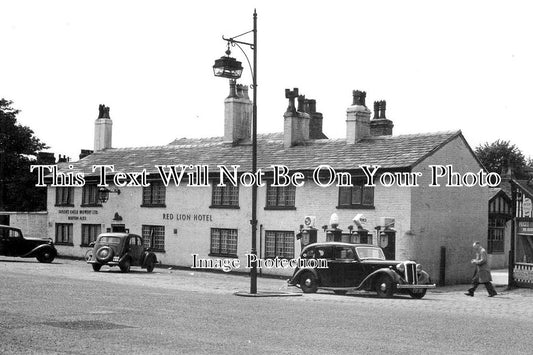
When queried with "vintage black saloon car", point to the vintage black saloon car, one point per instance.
{"points": [[13, 243], [123, 250], [359, 267]]}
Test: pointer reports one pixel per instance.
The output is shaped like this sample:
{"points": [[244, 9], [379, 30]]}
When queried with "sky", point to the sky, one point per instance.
{"points": [[440, 65]]}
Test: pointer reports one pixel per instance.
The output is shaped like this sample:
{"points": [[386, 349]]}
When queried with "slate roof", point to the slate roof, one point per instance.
{"points": [[390, 152]]}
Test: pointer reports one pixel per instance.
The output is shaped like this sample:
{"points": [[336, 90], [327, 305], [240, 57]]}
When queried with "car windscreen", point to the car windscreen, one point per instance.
{"points": [[109, 240], [369, 253]]}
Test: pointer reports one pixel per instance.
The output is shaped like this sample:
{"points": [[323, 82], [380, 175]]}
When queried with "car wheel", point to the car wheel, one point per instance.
{"points": [[384, 286], [46, 256], [418, 294], [150, 265], [308, 282], [89, 255], [125, 267], [96, 267], [104, 254], [340, 292]]}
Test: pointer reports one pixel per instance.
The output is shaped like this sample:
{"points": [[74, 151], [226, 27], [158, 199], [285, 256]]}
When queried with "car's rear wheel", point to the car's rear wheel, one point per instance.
{"points": [[125, 266], [418, 294], [150, 265], [308, 282], [46, 256], [384, 286], [96, 267]]}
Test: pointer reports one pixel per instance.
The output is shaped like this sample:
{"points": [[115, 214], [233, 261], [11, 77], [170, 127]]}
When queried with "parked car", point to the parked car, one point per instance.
{"points": [[123, 250], [353, 267], [13, 243]]}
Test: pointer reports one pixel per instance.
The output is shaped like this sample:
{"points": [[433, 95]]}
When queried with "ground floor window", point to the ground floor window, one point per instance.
{"points": [[89, 232], [154, 237], [279, 244], [64, 233], [223, 242], [496, 237]]}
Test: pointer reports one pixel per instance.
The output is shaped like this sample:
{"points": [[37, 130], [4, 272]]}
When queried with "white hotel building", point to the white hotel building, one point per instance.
{"points": [[434, 226]]}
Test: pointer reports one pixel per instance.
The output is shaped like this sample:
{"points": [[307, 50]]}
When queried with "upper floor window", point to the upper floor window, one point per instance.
{"points": [[64, 196], [356, 196], [225, 196], [90, 195], [280, 197], [154, 195]]}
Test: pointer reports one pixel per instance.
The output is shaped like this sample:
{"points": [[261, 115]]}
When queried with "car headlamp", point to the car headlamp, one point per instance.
{"points": [[418, 267], [400, 267]]}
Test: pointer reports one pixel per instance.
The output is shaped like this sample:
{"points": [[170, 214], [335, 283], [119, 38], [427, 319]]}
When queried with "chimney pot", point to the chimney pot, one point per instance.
{"points": [[359, 98]]}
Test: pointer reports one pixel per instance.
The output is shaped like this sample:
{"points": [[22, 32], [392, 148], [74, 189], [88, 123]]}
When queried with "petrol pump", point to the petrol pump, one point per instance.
{"points": [[333, 233], [308, 232]]}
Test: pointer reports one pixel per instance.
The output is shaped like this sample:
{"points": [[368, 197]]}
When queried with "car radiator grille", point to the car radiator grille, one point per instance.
{"points": [[410, 274]]}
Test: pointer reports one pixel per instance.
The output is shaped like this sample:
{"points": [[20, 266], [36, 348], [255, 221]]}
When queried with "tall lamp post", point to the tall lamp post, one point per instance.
{"points": [[228, 67]]}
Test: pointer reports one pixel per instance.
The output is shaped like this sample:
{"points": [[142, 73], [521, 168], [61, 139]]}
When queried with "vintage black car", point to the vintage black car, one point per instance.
{"points": [[13, 243], [353, 267], [123, 250]]}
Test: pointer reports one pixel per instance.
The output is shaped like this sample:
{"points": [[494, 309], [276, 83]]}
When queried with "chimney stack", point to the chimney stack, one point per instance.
{"points": [[103, 128], [357, 118], [237, 114], [380, 125], [315, 124], [296, 120]]}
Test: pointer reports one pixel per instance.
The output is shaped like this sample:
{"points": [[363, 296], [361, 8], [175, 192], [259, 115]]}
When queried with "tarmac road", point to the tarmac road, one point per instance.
{"points": [[65, 307]]}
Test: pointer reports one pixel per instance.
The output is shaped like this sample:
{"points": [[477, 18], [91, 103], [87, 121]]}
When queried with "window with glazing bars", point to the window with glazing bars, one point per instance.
{"points": [[356, 196], [223, 242], [154, 195], [154, 237], [279, 244], [225, 196], [280, 196], [496, 237]]}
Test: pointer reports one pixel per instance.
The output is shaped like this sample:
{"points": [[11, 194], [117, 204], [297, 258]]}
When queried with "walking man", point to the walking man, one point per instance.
{"points": [[482, 274]]}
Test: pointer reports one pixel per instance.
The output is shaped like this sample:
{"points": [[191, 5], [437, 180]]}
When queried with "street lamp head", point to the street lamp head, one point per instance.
{"points": [[227, 67]]}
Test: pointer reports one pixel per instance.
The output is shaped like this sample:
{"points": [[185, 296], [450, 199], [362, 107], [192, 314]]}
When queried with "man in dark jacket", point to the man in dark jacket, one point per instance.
{"points": [[482, 274]]}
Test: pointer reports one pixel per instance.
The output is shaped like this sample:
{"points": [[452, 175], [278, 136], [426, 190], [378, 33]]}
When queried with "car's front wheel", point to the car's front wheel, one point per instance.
{"points": [[46, 256], [96, 267], [384, 286], [308, 282], [125, 266]]}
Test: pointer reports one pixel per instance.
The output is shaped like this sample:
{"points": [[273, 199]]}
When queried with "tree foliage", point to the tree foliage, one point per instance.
{"points": [[19, 149], [499, 155]]}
